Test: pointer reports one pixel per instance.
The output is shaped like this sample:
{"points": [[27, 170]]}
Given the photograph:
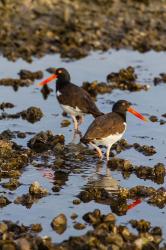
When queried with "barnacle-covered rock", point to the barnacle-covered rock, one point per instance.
{"points": [[32, 114], [125, 79], [145, 149], [59, 223], [37, 190], [26, 74], [46, 140]]}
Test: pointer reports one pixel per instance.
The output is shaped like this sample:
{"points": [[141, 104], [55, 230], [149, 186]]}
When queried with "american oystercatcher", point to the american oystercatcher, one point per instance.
{"points": [[109, 128], [74, 100]]}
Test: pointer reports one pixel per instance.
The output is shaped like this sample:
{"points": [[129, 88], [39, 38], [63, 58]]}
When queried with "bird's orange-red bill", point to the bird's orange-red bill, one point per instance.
{"points": [[46, 81], [134, 112]]}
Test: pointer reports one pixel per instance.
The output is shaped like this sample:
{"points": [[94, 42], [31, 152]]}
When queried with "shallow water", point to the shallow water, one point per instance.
{"points": [[94, 67]]}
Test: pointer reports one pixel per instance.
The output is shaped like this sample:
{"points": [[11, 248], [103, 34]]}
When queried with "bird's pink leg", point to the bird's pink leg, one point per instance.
{"points": [[108, 153], [98, 150], [81, 120], [75, 122]]}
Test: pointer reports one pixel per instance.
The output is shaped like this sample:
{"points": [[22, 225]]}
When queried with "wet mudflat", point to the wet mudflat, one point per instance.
{"points": [[68, 170]]}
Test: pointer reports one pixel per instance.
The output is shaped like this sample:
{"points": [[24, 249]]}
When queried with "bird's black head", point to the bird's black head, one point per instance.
{"points": [[121, 106], [62, 75]]}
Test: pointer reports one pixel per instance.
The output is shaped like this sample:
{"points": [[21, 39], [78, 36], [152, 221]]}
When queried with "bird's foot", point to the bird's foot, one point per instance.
{"points": [[80, 120], [77, 131], [100, 155], [108, 153], [108, 158], [75, 135]]}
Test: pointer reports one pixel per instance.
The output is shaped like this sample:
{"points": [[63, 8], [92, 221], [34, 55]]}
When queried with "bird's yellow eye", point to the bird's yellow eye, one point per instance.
{"points": [[59, 71]]}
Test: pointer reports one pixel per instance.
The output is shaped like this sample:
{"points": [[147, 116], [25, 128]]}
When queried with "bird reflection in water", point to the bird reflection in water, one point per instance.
{"points": [[100, 181], [103, 181]]}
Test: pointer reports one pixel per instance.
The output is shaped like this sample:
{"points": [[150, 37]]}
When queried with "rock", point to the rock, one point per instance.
{"points": [[23, 244], [145, 149], [25, 200], [21, 135], [141, 225], [93, 218], [79, 226], [9, 246], [125, 79], [125, 233], [153, 118], [164, 115], [65, 123], [4, 201], [121, 145], [32, 114], [3, 227], [119, 206], [156, 231], [93, 194], [162, 122], [76, 201], [109, 218], [12, 157], [36, 190], [160, 79], [141, 191], [115, 239], [73, 44], [36, 228], [26, 74], [45, 141], [7, 135], [6, 105], [12, 184], [144, 172], [120, 164], [73, 216], [158, 198], [5, 148], [15, 83], [159, 169], [59, 223], [103, 235], [96, 87]]}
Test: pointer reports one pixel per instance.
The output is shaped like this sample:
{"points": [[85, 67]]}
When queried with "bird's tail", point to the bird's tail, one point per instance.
{"points": [[96, 114]]}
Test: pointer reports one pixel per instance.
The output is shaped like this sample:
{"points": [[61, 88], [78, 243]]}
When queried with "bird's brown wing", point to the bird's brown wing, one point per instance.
{"points": [[75, 96], [104, 126]]}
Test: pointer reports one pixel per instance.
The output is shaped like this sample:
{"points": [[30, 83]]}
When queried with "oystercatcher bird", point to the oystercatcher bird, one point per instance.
{"points": [[74, 100], [109, 128]]}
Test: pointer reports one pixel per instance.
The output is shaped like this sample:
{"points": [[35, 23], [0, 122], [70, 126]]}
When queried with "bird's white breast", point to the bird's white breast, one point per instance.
{"points": [[70, 110], [111, 139], [58, 93]]}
